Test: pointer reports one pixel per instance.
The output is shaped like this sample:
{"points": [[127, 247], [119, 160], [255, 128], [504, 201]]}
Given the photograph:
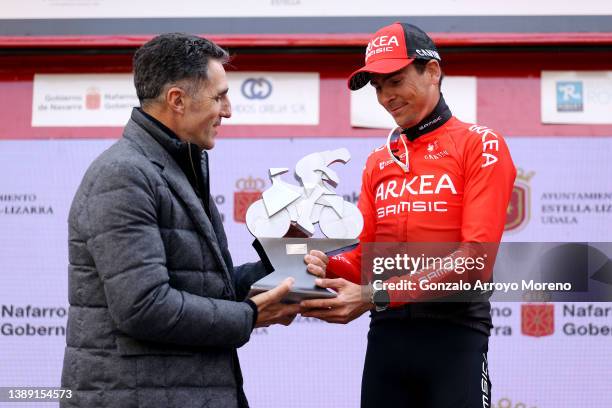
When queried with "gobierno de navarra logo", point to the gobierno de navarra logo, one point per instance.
{"points": [[537, 319], [93, 98]]}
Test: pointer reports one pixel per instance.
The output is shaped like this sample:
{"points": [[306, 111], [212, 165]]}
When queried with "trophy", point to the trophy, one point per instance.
{"points": [[288, 208]]}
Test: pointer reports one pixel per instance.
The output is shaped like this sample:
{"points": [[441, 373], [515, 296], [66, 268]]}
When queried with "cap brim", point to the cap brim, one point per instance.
{"points": [[361, 77]]}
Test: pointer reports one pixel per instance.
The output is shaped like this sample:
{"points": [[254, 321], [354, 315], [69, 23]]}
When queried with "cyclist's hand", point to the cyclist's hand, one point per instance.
{"points": [[316, 263], [351, 302]]}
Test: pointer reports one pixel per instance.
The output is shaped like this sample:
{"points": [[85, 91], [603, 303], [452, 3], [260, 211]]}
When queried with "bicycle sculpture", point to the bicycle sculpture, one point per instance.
{"points": [[285, 204]]}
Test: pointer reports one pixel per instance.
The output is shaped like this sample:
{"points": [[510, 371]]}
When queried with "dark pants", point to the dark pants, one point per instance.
{"points": [[425, 364]]}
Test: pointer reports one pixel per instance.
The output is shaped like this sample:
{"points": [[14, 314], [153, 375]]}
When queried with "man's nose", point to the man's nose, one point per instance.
{"points": [[386, 96], [226, 111]]}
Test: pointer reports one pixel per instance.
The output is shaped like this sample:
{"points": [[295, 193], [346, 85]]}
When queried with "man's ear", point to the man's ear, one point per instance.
{"points": [[434, 71], [175, 99]]}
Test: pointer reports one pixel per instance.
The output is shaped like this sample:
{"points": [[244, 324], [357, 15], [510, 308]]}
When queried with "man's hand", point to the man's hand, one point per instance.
{"points": [[270, 310], [316, 263], [351, 302]]}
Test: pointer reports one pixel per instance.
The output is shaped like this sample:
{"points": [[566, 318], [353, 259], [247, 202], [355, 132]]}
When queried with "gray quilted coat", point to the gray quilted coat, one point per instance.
{"points": [[156, 310]]}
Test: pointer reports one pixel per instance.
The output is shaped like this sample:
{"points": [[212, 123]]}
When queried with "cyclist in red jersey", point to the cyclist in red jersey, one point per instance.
{"points": [[437, 179]]}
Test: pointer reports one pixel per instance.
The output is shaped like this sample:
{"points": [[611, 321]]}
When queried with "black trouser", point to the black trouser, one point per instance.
{"points": [[425, 364]]}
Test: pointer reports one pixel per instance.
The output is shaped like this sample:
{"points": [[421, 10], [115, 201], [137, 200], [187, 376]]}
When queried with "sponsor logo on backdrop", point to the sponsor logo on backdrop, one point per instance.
{"points": [[298, 320], [580, 97], [274, 98], [100, 99], [248, 191], [537, 319], [587, 319], [569, 96], [306, 320], [219, 201], [60, 102], [519, 208], [119, 101], [23, 204], [108, 9], [256, 88], [93, 98], [500, 316], [25, 321], [572, 207], [506, 402], [600, 96], [280, 3], [353, 197]]}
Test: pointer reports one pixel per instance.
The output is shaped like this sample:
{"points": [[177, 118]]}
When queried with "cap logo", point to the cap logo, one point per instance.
{"points": [[381, 44], [428, 53]]}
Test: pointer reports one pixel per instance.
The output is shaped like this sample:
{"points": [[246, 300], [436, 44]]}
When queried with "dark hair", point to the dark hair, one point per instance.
{"points": [[419, 65], [171, 58]]}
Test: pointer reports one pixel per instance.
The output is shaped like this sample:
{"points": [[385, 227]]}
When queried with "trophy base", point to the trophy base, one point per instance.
{"points": [[285, 258], [296, 295]]}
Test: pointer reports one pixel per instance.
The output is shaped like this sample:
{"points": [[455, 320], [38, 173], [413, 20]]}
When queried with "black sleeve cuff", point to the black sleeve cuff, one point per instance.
{"points": [[254, 307]]}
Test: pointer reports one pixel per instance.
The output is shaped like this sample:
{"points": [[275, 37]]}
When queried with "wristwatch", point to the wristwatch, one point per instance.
{"points": [[380, 299]]}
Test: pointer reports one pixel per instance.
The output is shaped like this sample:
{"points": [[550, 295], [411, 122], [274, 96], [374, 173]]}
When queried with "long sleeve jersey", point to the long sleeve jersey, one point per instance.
{"points": [[457, 189]]}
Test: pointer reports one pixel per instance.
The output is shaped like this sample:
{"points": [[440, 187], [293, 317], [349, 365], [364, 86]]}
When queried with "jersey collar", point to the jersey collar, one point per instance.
{"points": [[439, 116]]}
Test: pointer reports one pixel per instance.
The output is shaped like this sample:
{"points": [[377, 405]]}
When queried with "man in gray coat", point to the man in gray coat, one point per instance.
{"points": [[157, 309]]}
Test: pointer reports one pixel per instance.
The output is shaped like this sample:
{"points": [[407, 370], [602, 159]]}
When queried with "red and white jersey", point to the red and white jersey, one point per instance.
{"points": [[457, 189]]}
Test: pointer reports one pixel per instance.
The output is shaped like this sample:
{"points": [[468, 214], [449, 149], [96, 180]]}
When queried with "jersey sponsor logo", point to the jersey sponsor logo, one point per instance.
{"points": [[484, 382], [381, 44], [423, 185], [436, 156], [431, 122], [428, 53], [490, 144], [433, 154], [411, 206], [385, 163]]}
